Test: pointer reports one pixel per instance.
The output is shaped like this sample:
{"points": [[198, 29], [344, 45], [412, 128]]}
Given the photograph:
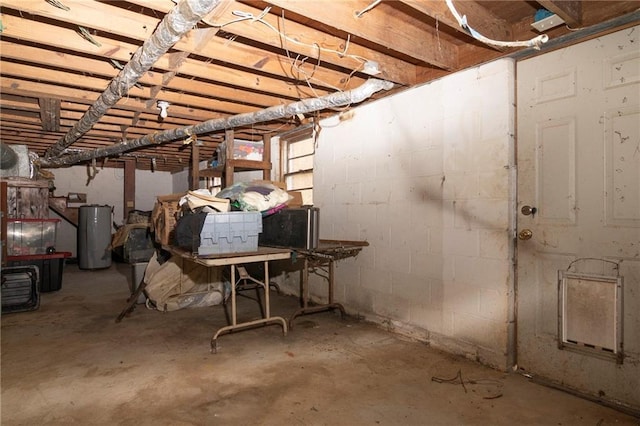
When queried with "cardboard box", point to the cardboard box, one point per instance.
{"points": [[164, 217], [277, 184], [296, 200]]}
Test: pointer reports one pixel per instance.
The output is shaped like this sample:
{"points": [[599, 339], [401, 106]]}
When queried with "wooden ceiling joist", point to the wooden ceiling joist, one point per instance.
{"points": [[409, 40], [133, 25], [66, 39], [484, 21], [569, 11], [302, 40], [279, 52]]}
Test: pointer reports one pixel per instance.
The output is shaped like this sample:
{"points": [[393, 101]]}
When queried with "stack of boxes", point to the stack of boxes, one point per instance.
{"points": [[30, 243]]}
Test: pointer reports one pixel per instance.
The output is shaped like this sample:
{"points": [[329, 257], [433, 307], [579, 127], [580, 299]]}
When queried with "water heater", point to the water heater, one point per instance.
{"points": [[94, 237]]}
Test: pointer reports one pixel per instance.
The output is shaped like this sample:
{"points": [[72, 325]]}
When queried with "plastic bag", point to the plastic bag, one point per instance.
{"points": [[255, 196]]}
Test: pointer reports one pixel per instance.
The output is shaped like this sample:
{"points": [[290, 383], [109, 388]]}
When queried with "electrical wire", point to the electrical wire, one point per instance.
{"points": [[368, 8], [535, 42], [458, 380], [294, 67], [247, 16], [244, 16], [574, 29]]}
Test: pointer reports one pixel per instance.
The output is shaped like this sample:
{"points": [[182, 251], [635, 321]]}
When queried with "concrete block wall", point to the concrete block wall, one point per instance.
{"points": [[425, 177]]}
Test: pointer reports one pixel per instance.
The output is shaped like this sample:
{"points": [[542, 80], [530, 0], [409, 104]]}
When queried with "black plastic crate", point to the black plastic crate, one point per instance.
{"points": [[50, 266], [138, 246], [20, 289], [292, 227]]}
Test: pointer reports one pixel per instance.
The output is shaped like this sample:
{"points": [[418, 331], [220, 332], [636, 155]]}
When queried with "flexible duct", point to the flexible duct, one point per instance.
{"points": [[8, 157], [173, 26], [338, 99]]}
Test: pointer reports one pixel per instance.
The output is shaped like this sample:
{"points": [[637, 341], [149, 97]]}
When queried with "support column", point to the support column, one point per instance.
{"points": [[195, 166], [227, 178], [129, 188], [266, 155]]}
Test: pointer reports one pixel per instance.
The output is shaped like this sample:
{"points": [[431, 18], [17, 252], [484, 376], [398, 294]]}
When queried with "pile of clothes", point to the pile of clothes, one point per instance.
{"points": [[255, 196]]}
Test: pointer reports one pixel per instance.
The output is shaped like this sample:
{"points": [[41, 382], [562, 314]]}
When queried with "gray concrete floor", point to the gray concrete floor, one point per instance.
{"points": [[69, 363]]}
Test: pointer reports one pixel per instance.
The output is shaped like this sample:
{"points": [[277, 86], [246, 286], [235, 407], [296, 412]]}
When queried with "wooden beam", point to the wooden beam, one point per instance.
{"points": [[142, 119], [29, 88], [3, 220], [569, 10], [129, 188], [266, 156], [305, 41], [50, 114], [195, 166], [396, 70], [67, 39], [411, 37], [62, 60], [227, 179], [139, 27], [93, 83], [478, 17], [107, 123]]}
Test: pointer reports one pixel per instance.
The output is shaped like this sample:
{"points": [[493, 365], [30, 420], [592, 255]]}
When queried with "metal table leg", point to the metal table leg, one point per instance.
{"points": [[268, 319], [306, 309]]}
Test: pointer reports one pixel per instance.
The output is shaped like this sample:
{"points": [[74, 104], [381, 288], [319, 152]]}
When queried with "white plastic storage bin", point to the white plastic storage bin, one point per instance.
{"points": [[232, 232], [31, 236]]}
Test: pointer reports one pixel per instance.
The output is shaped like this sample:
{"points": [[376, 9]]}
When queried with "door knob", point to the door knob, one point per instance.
{"points": [[527, 210], [525, 234]]}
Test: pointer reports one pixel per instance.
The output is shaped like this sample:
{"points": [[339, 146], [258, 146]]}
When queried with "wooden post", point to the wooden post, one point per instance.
{"points": [[3, 219], [227, 179], [129, 188], [195, 165], [266, 155]]}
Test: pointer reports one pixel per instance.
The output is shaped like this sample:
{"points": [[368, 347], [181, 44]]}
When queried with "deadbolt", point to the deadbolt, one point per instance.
{"points": [[527, 210], [525, 234]]}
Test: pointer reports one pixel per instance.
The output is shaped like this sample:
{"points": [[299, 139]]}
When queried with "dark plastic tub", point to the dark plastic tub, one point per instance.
{"points": [[50, 265], [20, 289]]}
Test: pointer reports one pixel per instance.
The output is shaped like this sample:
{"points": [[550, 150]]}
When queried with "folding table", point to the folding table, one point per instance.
{"points": [[235, 260]]}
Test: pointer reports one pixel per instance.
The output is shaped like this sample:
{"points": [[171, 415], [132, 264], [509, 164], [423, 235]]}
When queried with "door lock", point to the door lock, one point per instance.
{"points": [[528, 210], [525, 234]]}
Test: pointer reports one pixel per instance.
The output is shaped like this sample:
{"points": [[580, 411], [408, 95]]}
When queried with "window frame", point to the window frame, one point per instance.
{"points": [[300, 135]]}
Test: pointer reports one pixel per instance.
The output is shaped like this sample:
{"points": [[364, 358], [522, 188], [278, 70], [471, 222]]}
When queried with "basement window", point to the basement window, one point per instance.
{"points": [[297, 150]]}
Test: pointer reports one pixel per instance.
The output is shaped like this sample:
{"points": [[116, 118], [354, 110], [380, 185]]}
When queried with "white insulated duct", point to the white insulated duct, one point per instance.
{"points": [[180, 20], [338, 99], [8, 157]]}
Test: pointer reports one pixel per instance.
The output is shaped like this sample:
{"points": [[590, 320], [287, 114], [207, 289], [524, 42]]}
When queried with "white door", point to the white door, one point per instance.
{"points": [[578, 251]]}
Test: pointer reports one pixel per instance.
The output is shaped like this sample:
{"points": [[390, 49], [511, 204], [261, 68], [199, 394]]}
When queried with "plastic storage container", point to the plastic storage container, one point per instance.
{"points": [[292, 227], [139, 246], [50, 266], [232, 232], [30, 236], [248, 150], [20, 289]]}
